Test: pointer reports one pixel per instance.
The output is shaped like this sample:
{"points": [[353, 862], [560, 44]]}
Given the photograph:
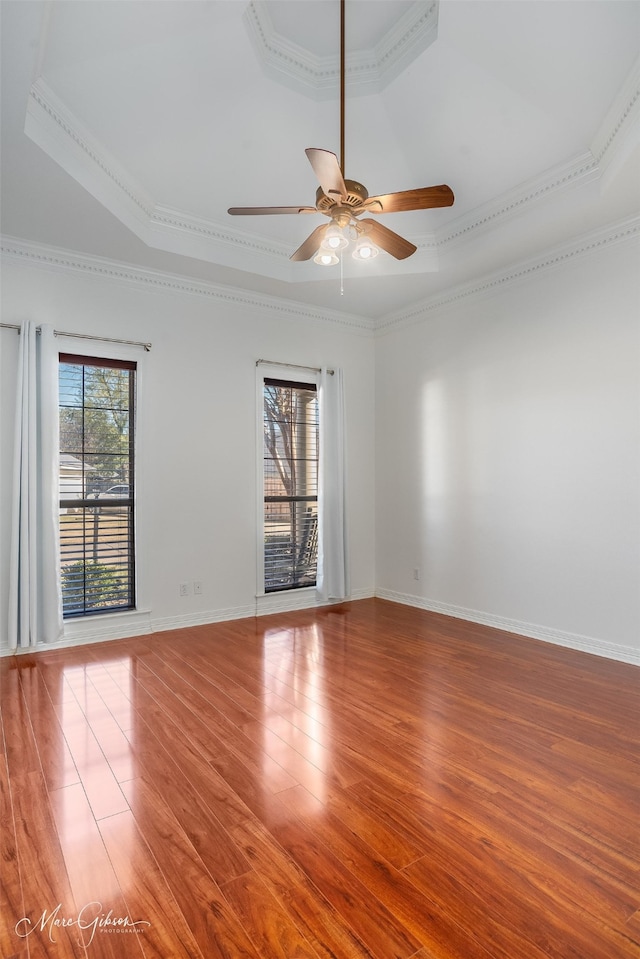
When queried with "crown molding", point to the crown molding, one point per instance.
{"points": [[592, 242], [165, 220], [57, 260], [51, 125], [63, 137], [617, 135], [54, 128], [513, 203], [368, 71], [64, 261], [619, 132]]}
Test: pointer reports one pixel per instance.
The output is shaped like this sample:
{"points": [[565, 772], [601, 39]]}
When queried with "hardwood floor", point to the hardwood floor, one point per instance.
{"points": [[367, 781]]}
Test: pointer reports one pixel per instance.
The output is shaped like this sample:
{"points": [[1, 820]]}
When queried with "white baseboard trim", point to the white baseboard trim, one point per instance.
{"points": [[201, 619], [93, 629], [267, 605], [100, 629], [586, 644], [301, 599], [127, 625]]}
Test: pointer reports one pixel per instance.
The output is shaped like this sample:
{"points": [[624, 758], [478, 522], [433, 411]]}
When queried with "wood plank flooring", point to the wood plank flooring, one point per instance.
{"points": [[366, 781]]}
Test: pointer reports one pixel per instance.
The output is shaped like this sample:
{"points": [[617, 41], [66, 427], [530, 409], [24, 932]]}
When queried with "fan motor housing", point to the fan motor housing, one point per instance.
{"points": [[356, 196]]}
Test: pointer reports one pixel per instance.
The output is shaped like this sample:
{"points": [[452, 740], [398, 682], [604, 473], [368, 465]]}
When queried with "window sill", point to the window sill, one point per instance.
{"points": [[286, 592], [108, 625], [285, 600]]}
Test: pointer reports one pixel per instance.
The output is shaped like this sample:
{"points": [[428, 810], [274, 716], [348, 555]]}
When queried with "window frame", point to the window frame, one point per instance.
{"points": [[295, 376], [130, 502]]}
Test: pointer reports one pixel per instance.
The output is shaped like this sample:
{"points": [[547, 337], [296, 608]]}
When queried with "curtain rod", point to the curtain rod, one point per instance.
{"points": [[294, 366], [83, 336]]}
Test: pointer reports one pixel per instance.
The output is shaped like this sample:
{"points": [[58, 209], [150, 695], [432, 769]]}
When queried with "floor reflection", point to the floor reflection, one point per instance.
{"points": [[297, 737]]}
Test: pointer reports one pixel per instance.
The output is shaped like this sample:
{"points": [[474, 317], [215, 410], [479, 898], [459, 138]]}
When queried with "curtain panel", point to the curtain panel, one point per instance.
{"points": [[35, 598], [333, 569]]}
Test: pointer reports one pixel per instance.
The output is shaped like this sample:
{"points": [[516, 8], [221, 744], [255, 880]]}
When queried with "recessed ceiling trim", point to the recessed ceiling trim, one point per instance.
{"points": [[66, 261], [367, 71], [512, 203], [619, 132], [592, 242], [617, 135], [51, 125], [164, 219]]}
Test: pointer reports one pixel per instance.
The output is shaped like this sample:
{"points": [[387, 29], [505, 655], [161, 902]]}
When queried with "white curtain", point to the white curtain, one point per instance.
{"points": [[35, 599], [333, 567]]}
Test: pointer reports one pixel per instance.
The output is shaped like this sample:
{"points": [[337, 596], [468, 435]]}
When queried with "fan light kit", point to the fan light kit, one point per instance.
{"points": [[344, 201]]}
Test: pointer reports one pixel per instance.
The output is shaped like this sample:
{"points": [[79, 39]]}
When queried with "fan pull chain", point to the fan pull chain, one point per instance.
{"points": [[341, 275]]}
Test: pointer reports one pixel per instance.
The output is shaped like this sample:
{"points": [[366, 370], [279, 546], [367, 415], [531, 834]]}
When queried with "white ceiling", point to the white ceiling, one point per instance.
{"points": [[129, 128]]}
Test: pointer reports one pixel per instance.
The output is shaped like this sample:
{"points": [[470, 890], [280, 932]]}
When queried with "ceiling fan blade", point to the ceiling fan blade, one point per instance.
{"points": [[327, 169], [268, 210], [388, 240], [426, 198], [310, 245]]}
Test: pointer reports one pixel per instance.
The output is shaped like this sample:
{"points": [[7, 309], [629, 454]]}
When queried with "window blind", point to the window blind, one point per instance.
{"points": [[97, 475], [290, 425]]}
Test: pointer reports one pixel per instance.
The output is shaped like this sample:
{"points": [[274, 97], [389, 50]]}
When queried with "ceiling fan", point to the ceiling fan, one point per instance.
{"points": [[344, 201]]}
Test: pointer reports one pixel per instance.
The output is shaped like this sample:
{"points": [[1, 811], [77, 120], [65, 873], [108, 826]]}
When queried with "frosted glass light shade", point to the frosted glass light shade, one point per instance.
{"points": [[334, 238], [325, 257], [365, 249]]}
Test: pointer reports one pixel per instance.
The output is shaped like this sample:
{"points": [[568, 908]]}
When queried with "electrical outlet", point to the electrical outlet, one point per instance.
{"points": [[184, 589], [197, 588], [416, 572]]}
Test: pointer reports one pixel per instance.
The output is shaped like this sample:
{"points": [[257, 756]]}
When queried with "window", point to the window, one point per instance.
{"points": [[290, 426], [97, 549]]}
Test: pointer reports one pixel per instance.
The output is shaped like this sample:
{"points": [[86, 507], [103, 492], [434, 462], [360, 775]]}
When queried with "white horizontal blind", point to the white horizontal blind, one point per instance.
{"points": [[97, 548], [290, 426]]}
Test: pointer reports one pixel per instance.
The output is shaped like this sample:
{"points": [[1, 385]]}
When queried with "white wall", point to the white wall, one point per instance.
{"points": [[506, 438], [197, 515], [507, 469]]}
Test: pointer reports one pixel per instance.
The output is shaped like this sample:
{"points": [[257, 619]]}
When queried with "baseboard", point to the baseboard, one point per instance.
{"points": [[93, 629], [586, 644], [301, 599], [266, 605], [202, 618], [141, 623], [100, 629]]}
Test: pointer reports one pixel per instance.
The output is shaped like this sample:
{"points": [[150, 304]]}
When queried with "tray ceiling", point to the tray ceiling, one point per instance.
{"points": [[129, 128]]}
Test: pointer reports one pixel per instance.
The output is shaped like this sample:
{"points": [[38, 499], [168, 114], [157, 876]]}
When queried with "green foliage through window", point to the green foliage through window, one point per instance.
{"points": [[97, 409]]}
